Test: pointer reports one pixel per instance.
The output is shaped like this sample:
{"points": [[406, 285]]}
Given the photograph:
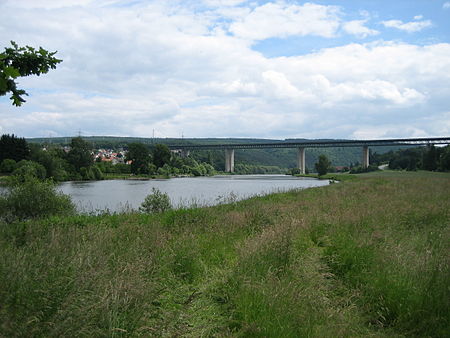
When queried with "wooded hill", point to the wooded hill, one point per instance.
{"points": [[280, 157]]}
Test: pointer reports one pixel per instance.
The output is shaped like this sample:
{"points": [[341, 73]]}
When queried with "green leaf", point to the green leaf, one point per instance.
{"points": [[18, 61], [11, 72], [3, 85]]}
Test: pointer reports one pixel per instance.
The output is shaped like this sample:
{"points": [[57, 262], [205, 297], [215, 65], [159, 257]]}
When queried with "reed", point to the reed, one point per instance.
{"points": [[366, 257]]}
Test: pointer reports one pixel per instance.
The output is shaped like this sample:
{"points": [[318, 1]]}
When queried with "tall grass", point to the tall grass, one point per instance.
{"points": [[368, 257]]}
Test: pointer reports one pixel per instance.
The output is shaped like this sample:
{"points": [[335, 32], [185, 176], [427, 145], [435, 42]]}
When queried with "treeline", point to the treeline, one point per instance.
{"points": [[421, 158], [21, 159], [75, 162], [248, 169], [161, 161], [272, 157]]}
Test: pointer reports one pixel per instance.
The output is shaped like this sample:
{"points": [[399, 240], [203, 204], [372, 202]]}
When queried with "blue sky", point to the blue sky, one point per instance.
{"points": [[377, 11], [218, 68]]}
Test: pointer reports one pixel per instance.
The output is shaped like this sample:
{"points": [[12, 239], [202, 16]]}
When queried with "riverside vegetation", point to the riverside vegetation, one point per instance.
{"points": [[61, 160], [364, 257], [76, 162]]}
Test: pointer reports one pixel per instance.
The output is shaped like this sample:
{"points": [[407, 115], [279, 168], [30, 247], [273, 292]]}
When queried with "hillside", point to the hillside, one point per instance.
{"points": [[284, 158]]}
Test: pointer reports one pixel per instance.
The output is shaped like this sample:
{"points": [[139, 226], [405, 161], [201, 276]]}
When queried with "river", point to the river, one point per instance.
{"points": [[121, 195]]}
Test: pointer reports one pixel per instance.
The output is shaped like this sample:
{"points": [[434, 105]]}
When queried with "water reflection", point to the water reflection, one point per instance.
{"points": [[116, 195]]}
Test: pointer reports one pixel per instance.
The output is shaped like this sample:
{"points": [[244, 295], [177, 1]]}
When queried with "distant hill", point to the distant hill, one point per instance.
{"points": [[281, 157]]}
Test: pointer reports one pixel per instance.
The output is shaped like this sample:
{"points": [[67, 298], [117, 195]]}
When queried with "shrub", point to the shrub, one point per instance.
{"points": [[122, 168], [152, 169], [87, 173], [209, 169], [199, 170], [60, 175], [185, 169], [360, 170], [98, 174], [34, 199], [7, 166], [155, 202], [28, 169], [294, 171]]}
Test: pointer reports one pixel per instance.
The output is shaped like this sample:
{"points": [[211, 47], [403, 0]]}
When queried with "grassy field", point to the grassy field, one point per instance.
{"points": [[366, 257]]}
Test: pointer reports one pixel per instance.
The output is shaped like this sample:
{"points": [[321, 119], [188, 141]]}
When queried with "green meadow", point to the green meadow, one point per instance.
{"points": [[363, 257]]}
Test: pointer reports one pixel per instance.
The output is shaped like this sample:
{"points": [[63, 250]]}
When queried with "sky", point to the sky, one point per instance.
{"points": [[355, 69]]}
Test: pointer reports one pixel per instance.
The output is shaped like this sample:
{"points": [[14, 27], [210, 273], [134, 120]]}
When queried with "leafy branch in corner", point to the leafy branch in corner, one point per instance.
{"points": [[17, 62]]}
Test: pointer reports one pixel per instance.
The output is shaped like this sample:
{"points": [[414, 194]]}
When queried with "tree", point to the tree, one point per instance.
{"points": [[444, 163], [322, 165], [161, 155], [80, 154], [51, 159], [14, 148], [18, 61], [430, 158], [139, 154], [409, 159]]}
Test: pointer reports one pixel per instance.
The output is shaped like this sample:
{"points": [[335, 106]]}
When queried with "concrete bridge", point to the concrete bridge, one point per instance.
{"points": [[301, 145]]}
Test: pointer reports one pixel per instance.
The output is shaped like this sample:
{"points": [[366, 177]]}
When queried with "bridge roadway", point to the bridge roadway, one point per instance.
{"points": [[301, 145]]}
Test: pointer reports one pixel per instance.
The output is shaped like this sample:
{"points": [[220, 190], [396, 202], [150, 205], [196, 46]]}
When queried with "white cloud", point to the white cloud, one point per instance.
{"points": [[51, 4], [357, 28], [368, 90], [222, 3], [387, 131], [281, 19], [410, 27], [129, 71], [446, 5]]}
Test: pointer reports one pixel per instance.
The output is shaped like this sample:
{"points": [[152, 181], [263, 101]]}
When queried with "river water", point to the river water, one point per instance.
{"points": [[121, 195]]}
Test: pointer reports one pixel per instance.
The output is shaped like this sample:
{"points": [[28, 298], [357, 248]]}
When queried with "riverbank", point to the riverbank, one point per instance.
{"points": [[115, 176], [363, 257], [331, 176]]}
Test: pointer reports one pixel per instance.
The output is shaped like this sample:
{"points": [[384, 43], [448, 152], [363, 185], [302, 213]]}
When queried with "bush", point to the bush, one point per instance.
{"points": [[60, 175], [155, 202], [98, 174], [122, 168], [361, 170], [185, 169], [91, 173], [294, 171], [7, 166], [199, 170], [209, 169], [29, 169], [34, 199], [152, 169]]}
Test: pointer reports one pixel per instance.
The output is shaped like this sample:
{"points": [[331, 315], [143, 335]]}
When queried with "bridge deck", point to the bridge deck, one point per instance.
{"points": [[317, 144]]}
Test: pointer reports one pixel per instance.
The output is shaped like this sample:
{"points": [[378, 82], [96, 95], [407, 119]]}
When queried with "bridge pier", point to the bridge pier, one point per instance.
{"points": [[301, 160], [229, 160], [365, 159], [303, 144]]}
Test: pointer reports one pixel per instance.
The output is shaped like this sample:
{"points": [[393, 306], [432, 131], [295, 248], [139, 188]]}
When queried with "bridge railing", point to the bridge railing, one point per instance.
{"points": [[317, 144]]}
